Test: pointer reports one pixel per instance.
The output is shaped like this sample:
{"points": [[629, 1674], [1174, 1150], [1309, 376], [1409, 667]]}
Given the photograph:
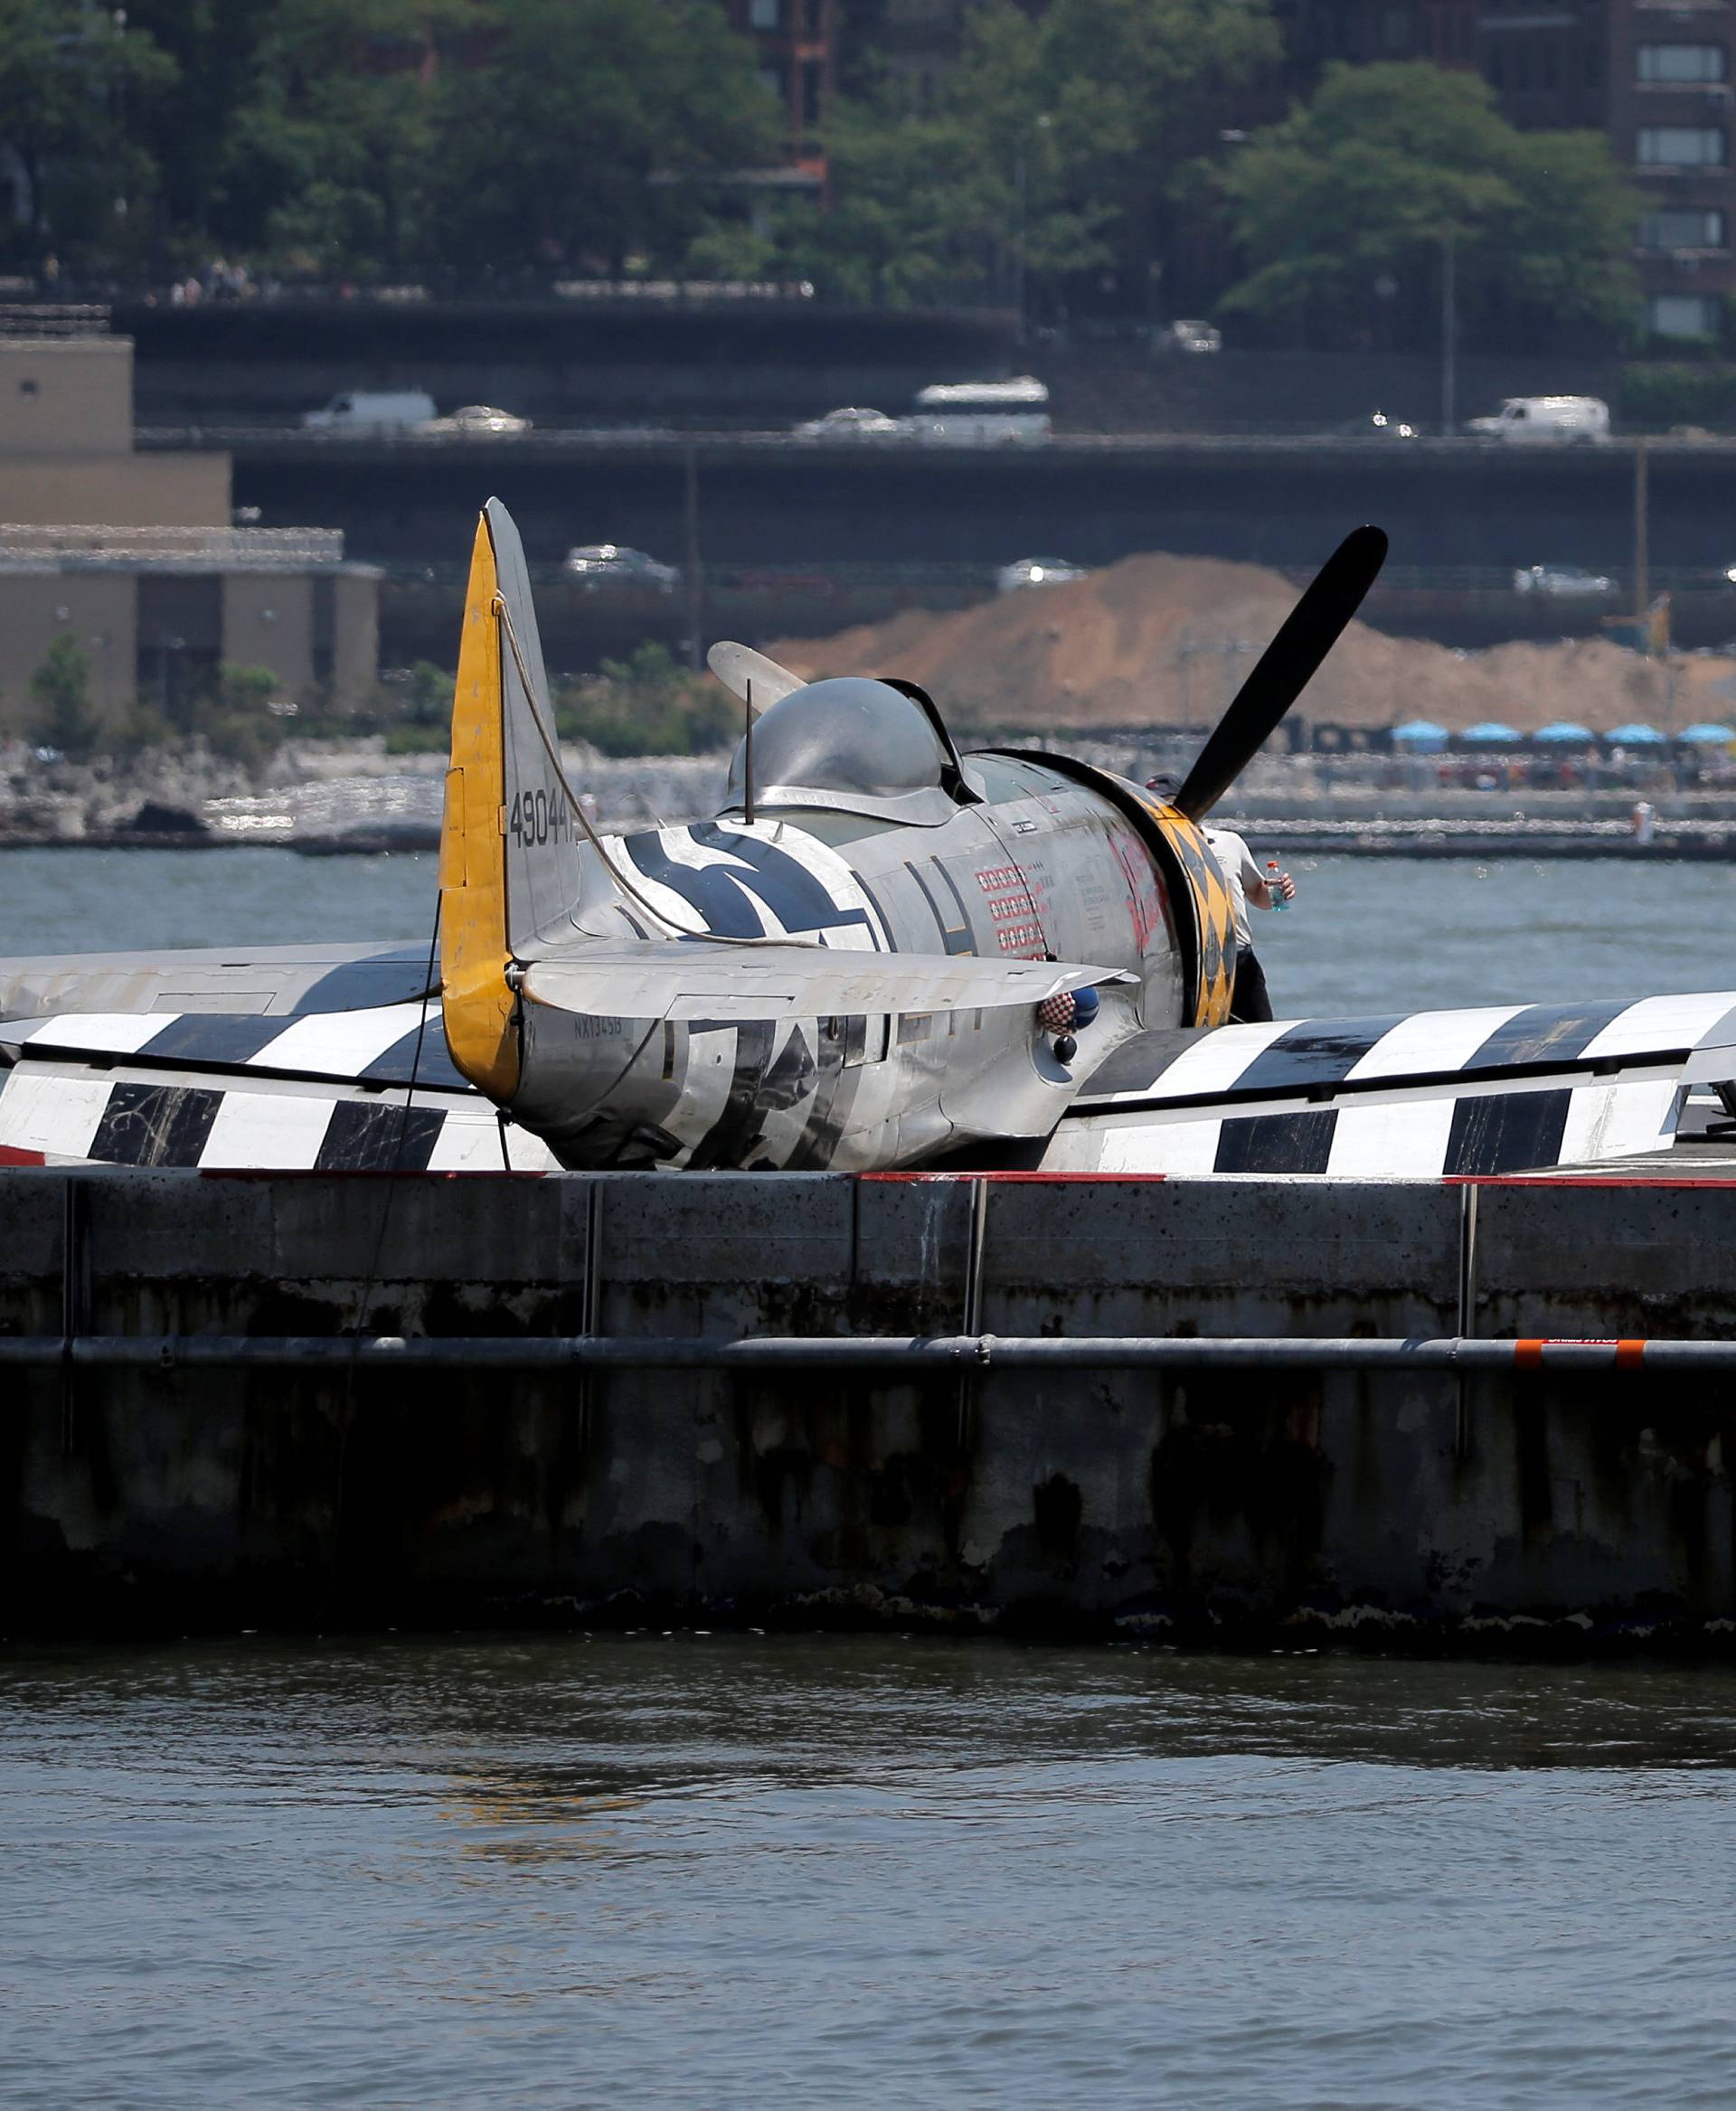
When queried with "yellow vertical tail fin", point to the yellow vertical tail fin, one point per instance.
{"points": [[478, 1004]]}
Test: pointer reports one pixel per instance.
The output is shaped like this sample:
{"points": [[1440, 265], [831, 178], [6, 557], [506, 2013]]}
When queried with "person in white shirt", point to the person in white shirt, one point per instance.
{"points": [[1247, 885]]}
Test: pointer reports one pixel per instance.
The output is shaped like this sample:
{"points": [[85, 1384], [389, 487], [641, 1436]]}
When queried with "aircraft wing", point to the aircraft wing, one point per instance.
{"points": [[241, 980], [287, 1058], [1497, 1088], [368, 1089], [699, 980]]}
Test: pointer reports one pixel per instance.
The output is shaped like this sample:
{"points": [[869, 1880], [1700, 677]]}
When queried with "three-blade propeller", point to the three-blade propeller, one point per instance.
{"points": [[1285, 669]]}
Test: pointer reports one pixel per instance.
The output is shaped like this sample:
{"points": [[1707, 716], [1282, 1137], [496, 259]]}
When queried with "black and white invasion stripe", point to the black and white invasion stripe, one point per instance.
{"points": [[1491, 1090], [317, 1092]]}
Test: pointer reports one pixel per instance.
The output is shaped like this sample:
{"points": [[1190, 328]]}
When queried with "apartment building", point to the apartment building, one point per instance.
{"points": [[1670, 118], [1654, 75], [796, 41]]}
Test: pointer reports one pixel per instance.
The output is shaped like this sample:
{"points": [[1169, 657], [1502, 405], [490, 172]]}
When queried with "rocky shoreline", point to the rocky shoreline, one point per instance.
{"points": [[313, 794], [333, 796]]}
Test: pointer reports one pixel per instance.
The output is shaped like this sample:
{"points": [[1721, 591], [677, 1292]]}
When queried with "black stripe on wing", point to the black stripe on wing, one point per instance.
{"points": [[1546, 1033], [155, 1124], [1318, 1052], [434, 1067], [1507, 1132], [199, 1038], [363, 1138], [1138, 1064], [1277, 1142]]}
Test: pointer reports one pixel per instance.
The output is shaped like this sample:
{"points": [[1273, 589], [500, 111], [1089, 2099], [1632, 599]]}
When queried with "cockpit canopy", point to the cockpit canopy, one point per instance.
{"points": [[850, 743]]}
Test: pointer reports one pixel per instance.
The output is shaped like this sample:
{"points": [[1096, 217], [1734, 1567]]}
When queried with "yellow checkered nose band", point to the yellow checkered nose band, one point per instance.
{"points": [[1214, 920]]}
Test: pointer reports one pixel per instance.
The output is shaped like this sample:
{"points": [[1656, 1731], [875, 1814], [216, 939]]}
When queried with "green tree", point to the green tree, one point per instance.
{"points": [[429, 701], [1054, 150], [595, 136], [1386, 165], [971, 191], [1142, 89], [911, 215], [189, 127], [61, 690], [234, 716], [77, 86], [329, 159], [648, 704]]}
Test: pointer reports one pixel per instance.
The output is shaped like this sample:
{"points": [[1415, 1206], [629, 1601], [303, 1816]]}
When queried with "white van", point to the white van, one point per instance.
{"points": [[1550, 419], [983, 413], [371, 411]]}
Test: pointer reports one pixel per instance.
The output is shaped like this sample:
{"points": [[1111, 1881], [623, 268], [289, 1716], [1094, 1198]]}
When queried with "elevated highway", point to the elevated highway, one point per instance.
{"points": [[768, 499]]}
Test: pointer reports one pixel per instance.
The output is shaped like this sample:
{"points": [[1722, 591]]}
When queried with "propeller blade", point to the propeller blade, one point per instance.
{"points": [[735, 665], [1285, 669]]}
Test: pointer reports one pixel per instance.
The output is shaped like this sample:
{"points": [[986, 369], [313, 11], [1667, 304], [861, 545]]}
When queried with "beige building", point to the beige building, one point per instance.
{"points": [[134, 554]]}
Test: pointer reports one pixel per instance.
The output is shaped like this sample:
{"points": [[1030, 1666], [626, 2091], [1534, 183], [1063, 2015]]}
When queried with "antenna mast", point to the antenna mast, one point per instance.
{"points": [[747, 760]]}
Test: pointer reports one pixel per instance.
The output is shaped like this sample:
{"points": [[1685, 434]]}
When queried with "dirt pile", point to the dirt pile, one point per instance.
{"points": [[1167, 640]]}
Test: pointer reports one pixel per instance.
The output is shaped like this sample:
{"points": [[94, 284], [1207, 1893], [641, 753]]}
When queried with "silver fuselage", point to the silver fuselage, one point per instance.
{"points": [[1042, 866]]}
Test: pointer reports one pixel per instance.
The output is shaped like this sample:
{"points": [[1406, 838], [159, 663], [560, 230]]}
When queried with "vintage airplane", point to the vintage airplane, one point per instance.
{"points": [[881, 953]]}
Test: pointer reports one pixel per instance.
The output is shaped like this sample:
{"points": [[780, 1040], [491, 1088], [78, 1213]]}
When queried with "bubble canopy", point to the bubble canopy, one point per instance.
{"points": [[850, 743]]}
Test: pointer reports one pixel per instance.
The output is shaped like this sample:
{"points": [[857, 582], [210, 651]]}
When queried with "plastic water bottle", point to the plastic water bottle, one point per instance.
{"points": [[1272, 888]]}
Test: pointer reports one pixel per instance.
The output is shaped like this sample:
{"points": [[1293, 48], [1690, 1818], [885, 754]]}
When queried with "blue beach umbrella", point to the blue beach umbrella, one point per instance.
{"points": [[1420, 734], [1490, 733], [1635, 737], [1563, 733], [1707, 734]]}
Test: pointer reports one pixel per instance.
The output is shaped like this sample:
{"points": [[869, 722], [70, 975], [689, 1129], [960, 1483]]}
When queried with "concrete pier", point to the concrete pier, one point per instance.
{"points": [[1412, 1507]]}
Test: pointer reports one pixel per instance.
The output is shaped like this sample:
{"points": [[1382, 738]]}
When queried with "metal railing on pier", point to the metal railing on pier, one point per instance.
{"points": [[959, 1354]]}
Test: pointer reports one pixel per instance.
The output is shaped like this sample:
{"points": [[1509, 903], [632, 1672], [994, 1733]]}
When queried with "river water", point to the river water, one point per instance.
{"points": [[725, 1869], [1363, 935], [729, 1870]]}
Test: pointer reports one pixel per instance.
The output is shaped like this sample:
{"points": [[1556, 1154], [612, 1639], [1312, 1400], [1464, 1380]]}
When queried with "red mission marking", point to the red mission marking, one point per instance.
{"points": [[14, 1154]]}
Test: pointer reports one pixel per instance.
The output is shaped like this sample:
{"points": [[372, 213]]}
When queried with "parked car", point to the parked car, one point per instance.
{"points": [[371, 410], [1037, 571], [852, 422], [475, 421], [1191, 337], [595, 565], [1560, 578], [1551, 420]]}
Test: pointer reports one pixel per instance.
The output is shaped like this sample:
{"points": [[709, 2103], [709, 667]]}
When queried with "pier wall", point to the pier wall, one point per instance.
{"points": [[1414, 1508]]}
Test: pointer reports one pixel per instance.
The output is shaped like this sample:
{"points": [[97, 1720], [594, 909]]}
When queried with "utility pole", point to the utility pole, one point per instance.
{"points": [[695, 583], [1448, 334], [1642, 581], [1018, 181]]}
